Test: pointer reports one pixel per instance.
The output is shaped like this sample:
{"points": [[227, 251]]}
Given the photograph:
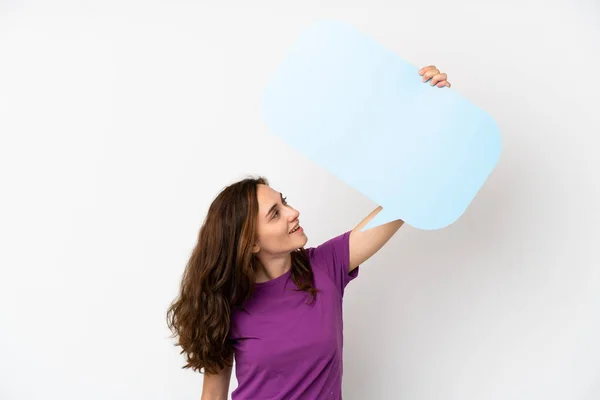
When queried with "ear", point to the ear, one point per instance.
{"points": [[256, 249]]}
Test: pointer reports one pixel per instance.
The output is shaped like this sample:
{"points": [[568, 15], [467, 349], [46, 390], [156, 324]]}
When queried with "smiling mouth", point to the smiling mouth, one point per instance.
{"points": [[296, 228]]}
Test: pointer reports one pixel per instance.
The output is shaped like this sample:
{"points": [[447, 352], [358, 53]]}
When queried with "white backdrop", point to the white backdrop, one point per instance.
{"points": [[121, 120]]}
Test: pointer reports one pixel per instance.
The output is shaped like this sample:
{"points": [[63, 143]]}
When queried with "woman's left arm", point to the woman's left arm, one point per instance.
{"points": [[363, 244]]}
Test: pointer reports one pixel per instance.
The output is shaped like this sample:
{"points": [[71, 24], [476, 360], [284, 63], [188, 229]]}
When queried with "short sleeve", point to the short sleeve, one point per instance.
{"points": [[333, 256]]}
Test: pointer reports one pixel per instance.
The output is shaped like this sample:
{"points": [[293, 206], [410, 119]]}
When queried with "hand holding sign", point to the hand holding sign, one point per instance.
{"points": [[431, 74], [359, 111]]}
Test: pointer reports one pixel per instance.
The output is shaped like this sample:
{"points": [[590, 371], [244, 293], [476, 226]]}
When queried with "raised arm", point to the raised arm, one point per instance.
{"points": [[364, 244]]}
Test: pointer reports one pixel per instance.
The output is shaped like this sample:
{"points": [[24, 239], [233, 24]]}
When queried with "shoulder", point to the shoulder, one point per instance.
{"points": [[333, 258], [334, 249]]}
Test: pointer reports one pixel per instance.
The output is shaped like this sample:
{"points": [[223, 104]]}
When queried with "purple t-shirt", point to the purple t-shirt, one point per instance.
{"points": [[287, 349]]}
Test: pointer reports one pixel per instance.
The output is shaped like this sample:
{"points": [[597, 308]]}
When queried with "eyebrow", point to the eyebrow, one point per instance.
{"points": [[273, 207]]}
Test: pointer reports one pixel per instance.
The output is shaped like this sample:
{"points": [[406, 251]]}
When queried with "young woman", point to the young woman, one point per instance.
{"points": [[252, 290]]}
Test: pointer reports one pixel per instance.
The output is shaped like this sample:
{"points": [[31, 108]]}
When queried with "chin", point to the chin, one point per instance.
{"points": [[300, 241], [304, 240]]}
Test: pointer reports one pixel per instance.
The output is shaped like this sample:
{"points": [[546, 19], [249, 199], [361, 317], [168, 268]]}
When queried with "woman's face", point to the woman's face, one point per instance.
{"points": [[277, 224]]}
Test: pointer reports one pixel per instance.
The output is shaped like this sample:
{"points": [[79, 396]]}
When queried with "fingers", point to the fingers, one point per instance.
{"points": [[438, 79], [425, 69], [428, 72]]}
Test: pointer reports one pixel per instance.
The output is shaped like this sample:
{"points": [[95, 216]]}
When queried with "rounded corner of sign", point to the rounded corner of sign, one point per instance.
{"points": [[442, 224]]}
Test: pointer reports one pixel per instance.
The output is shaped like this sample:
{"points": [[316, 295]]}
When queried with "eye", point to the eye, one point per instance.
{"points": [[276, 212]]}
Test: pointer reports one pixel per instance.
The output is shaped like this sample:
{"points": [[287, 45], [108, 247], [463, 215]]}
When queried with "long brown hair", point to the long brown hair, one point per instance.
{"points": [[220, 276]]}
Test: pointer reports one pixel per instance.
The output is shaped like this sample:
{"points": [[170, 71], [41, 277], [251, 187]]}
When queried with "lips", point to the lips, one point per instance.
{"points": [[295, 228]]}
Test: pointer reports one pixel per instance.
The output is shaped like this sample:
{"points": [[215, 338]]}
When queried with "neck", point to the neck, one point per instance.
{"points": [[273, 267]]}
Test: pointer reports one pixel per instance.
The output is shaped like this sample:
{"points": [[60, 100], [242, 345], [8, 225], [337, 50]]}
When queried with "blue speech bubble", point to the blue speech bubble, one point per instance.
{"points": [[359, 111]]}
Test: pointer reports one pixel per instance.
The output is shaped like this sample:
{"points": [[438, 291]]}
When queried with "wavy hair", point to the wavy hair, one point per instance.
{"points": [[219, 277]]}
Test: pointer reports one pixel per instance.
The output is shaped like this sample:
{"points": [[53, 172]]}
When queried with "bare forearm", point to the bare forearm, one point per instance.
{"points": [[364, 244], [213, 396]]}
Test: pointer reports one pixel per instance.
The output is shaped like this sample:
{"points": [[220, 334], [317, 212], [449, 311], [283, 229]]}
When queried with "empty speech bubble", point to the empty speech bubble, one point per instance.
{"points": [[361, 112]]}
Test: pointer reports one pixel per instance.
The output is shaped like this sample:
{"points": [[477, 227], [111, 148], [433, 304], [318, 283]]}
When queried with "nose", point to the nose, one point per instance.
{"points": [[294, 214]]}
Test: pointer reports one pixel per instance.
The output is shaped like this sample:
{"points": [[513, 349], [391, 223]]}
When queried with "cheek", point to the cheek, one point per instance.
{"points": [[274, 237]]}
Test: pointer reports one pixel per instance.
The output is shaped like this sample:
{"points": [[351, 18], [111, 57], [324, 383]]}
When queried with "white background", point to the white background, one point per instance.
{"points": [[121, 120]]}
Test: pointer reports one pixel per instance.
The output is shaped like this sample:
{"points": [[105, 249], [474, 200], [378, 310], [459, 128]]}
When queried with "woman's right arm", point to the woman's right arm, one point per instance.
{"points": [[216, 386]]}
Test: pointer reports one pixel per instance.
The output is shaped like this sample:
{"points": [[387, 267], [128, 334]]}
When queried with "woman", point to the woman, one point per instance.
{"points": [[251, 289]]}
